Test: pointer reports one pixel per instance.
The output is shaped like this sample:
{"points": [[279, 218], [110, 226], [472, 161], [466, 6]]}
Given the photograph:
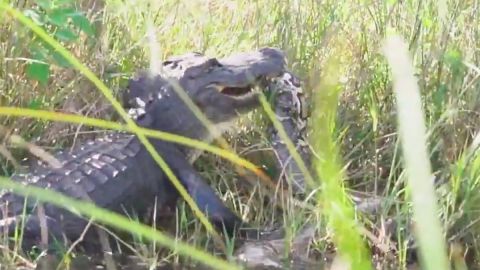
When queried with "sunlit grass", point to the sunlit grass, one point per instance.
{"points": [[336, 205], [414, 145], [442, 39]]}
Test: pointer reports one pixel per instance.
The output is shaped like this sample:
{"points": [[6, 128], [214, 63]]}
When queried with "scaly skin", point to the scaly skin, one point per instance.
{"points": [[113, 171]]}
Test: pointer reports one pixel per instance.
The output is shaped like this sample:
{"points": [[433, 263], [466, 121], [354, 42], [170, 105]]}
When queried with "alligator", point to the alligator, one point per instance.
{"points": [[117, 173]]}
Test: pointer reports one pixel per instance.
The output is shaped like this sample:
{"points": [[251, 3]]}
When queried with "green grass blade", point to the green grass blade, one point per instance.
{"points": [[115, 220], [94, 122], [411, 125], [336, 205]]}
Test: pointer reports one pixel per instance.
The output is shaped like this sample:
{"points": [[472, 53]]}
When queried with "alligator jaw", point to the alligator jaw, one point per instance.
{"points": [[234, 91], [235, 75]]}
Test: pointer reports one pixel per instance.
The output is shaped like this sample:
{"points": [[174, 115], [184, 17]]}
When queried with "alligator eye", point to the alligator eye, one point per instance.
{"points": [[173, 64]]}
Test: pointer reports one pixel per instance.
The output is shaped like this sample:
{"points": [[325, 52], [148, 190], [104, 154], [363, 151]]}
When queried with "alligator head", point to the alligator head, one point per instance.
{"points": [[221, 88]]}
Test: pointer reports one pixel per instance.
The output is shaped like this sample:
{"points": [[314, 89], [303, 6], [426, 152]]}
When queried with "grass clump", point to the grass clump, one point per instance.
{"points": [[353, 127]]}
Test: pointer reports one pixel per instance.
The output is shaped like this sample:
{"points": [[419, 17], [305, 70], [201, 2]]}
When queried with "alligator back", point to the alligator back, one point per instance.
{"points": [[101, 171]]}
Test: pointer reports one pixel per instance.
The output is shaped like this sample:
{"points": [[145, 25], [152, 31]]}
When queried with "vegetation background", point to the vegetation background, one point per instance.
{"points": [[110, 38]]}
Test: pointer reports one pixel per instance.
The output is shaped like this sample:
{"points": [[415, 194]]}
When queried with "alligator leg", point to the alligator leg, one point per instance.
{"points": [[204, 196], [208, 202]]}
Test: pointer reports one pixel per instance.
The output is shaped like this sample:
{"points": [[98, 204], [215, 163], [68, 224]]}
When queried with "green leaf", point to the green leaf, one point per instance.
{"points": [[35, 104], [65, 34], [60, 16], [45, 4], [80, 21], [39, 72], [454, 59], [439, 96], [60, 60]]}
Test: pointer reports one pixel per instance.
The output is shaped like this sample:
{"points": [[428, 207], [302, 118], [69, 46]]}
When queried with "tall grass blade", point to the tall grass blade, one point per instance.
{"points": [[412, 131], [100, 123], [336, 206]]}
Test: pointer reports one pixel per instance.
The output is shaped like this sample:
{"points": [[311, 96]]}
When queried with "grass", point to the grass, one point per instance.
{"points": [[364, 150], [413, 136]]}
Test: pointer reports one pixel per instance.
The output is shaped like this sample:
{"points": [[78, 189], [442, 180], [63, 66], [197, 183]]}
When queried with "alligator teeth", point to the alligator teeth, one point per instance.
{"points": [[282, 118]]}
